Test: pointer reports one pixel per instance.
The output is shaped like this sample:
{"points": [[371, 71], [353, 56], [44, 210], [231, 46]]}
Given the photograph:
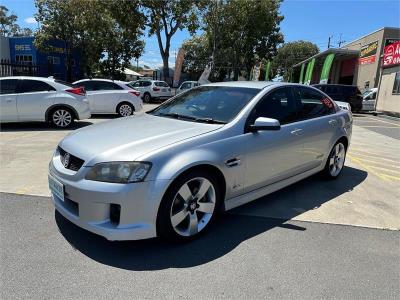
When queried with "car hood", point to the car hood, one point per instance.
{"points": [[128, 138]]}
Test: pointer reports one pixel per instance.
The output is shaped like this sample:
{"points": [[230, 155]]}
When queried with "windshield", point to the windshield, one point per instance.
{"points": [[212, 104]]}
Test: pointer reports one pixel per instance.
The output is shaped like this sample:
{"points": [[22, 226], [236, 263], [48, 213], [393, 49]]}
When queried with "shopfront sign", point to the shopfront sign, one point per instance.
{"points": [[391, 53], [368, 53]]}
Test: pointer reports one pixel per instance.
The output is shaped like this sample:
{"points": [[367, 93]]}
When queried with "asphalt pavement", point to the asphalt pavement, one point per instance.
{"points": [[384, 125], [44, 256]]}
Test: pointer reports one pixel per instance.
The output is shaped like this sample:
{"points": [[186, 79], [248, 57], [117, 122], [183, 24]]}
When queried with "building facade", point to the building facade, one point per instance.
{"points": [[360, 63]]}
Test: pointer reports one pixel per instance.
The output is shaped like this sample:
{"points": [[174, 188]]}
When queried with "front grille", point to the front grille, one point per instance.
{"points": [[74, 163]]}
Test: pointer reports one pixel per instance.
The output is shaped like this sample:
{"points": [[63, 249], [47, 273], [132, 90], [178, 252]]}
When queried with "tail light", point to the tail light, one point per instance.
{"points": [[77, 91], [135, 93], [156, 89]]}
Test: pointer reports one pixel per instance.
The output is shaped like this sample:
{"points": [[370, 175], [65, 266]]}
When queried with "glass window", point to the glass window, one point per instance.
{"points": [[64, 83], [185, 86], [31, 86], [278, 104], [396, 85], [106, 85], [88, 85], [313, 104], [207, 104], [146, 83], [134, 84], [8, 86], [161, 84]]}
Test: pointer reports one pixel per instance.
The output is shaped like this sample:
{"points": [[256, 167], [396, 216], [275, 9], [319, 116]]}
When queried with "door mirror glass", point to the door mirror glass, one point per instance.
{"points": [[261, 124]]}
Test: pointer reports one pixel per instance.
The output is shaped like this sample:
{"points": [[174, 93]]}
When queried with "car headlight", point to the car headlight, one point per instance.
{"points": [[119, 172]]}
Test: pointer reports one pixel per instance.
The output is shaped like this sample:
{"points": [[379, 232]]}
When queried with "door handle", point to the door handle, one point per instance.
{"points": [[332, 122], [297, 131]]}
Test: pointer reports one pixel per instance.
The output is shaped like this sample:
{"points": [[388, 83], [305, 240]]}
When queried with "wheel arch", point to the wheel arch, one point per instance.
{"points": [[61, 105], [124, 101]]}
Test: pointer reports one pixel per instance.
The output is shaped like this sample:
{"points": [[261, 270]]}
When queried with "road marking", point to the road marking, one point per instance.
{"points": [[366, 167], [386, 169], [398, 125], [377, 162], [367, 154], [391, 177], [368, 126]]}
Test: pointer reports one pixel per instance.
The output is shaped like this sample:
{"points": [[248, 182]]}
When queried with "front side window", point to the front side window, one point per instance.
{"points": [[212, 104], [278, 104], [313, 104], [8, 86], [185, 86], [396, 84], [31, 86]]}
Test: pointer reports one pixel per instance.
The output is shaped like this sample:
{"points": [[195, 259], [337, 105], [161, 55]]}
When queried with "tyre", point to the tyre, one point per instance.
{"points": [[146, 98], [189, 206], [62, 117], [335, 162], [125, 109]]}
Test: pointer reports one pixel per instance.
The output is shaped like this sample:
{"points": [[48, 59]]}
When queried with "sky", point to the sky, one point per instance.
{"points": [[310, 20]]}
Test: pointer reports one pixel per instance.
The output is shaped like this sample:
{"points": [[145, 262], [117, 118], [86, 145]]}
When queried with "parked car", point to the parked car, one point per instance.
{"points": [[345, 93], [152, 89], [187, 85], [111, 97], [209, 149], [30, 99], [369, 99]]}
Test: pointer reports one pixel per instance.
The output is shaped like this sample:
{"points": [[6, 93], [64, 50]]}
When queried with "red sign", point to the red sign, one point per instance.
{"points": [[391, 54], [367, 60]]}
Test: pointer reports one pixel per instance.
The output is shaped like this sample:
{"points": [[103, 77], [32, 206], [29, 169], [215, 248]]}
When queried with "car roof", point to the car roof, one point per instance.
{"points": [[97, 79], [328, 84], [30, 77], [253, 84]]}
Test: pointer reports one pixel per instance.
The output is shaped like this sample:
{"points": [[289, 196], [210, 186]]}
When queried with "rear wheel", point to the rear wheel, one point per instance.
{"points": [[62, 117], [189, 206], [336, 159], [125, 109], [146, 97]]}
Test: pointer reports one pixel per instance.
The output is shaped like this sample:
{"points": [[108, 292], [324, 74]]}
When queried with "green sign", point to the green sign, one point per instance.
{"points": [[310, 67], [301, 74], [267, 68], [326, 68]]}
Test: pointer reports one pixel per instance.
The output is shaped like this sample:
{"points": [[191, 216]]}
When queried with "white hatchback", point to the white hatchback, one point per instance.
{"points": [[109, 97], [27, 99], [152, 89]]}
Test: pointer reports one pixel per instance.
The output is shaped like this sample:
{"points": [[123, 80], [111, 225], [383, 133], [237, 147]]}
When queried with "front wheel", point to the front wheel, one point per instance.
{"points": [[189, 206], [62, 118], [336, 159]]}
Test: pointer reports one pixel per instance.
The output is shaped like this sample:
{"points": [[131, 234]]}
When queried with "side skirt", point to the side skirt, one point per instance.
{"points": [[253, 195]]}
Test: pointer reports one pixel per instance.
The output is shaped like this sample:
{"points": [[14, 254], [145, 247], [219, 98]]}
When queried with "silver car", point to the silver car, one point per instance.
{"points": [[169, 172]]}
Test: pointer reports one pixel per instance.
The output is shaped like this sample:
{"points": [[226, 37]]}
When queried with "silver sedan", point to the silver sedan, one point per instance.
{"points": [[171, 171]]}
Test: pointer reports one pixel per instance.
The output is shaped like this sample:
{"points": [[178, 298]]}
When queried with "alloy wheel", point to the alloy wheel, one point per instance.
{"points": [[193, 206], [125, 110], [62, 118], [336, 159]]}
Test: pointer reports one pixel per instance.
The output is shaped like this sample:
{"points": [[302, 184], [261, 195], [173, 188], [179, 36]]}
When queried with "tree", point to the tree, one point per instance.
{"points": [[197, 55], [165, 17], [9, 26], [290, 54], [107, 32], [244, 31]]}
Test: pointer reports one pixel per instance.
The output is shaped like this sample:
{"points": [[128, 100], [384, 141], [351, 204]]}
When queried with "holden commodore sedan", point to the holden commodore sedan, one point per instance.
{"points": [[171, 171]]}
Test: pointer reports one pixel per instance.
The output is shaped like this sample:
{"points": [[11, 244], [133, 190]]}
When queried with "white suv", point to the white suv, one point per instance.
{"points": [[27, 99], [152, 89], [109, 97]]}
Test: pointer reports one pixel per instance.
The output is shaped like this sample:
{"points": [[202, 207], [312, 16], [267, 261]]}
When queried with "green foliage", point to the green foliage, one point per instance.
{"points": [[165, 17], [197, 55], [290, 54], [107, 32], [9, 26]]}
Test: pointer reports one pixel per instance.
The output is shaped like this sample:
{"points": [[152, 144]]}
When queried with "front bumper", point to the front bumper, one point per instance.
{"points": [[88, 204]]}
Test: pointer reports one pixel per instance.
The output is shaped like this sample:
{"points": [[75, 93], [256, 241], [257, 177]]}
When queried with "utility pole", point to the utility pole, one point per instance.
{"points": [[340, 40], [329, 41]]}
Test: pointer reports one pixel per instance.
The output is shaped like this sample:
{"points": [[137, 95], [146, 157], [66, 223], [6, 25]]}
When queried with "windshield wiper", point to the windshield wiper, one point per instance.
{"points": [[209, 120], [191, 118]]}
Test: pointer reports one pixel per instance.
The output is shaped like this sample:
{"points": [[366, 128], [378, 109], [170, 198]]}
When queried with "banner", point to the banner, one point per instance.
{"points": [[391, 53], [310, 67], [301, 74], [178, 67], [267, 69], [326, 68], [368, 53]]}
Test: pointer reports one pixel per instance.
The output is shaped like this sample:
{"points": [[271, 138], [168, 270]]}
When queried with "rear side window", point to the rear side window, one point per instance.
{"points": [[105, 85], [8, 86], [88, 85], [278, 104], [161, 84], [31, 86], [313, 104], [146, 83]]}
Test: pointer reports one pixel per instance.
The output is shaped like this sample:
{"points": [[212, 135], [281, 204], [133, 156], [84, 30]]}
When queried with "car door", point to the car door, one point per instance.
{"points": [[8, 100], [273, 155], [89, 86], [106, 96], [318, 121], [33, 100]]}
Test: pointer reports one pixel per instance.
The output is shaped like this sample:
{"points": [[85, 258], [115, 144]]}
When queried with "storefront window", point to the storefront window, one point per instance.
{"points": [[396, 85]]}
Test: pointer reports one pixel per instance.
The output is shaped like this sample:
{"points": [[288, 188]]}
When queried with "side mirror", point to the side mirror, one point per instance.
{"points": [[261, 124]]}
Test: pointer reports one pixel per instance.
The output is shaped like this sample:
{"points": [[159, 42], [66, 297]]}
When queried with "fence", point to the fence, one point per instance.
{"points": [[12, 69]]}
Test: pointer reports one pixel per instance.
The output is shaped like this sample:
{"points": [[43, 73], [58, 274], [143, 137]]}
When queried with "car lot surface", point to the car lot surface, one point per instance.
{"points": [[43, 256]]}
